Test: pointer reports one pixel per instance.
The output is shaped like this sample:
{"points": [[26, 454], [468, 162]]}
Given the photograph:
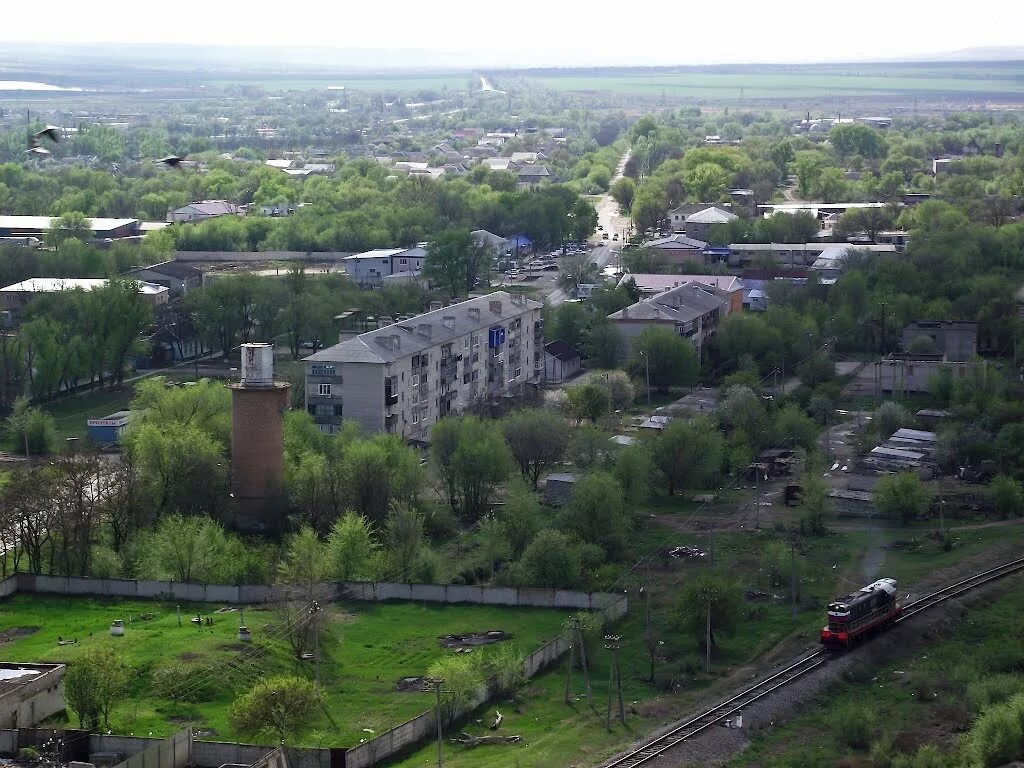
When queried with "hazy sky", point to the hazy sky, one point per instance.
{"points": [[545, 32]]}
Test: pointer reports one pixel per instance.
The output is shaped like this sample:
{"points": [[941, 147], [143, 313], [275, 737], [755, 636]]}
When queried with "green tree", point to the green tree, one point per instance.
{"points": [[902, 496], [815, 503], [403, 536], [604, 345], [794, 428], [481, 461], [280, 706], [688, 454], [73, 225], [30, 427], [462, 679], [707, 182], [857, 139], [186, 549], [708, 592], [574, 271], [305, 561], [1007, 496], [587, 401], [94, 683], [623, 191], [351, 548], [671, 358], [537, 442], [552, 560], [447, 258], [598, 513]]}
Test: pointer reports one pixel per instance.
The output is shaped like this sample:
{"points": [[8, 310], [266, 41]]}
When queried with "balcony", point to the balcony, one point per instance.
{"points": [[391, 423], [390, 397], [449, 370]]}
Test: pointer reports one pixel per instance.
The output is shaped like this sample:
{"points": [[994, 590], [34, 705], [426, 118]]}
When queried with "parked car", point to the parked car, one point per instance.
{"points": [[604, 235], [615, 236]]}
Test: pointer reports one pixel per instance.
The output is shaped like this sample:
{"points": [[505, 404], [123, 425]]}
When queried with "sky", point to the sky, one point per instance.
{"points": [[530, 33]]}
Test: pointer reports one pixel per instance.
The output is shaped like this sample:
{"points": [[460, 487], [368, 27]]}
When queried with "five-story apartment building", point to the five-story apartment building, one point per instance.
{"points": [[404, 377]]}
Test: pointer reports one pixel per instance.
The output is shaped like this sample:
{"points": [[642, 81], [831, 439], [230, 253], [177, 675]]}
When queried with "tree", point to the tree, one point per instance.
{"points": [[857, 139], [552, 560], [587, 401], [574, 271], [670, 357], [30, 427], [794, 428], [351, 548], [129, 315], [815, 503], [598, 513], [537, 442], [472, 458], [187, 549], [890, 417], [494, 544], [94, 683], [281, 706], [71, 225], [902, 496], [869, 221], [447, 259], [305, 563], [633, 467], [623, 191], [182, 466], [688, 454], [462, 678], [707, 182], [403, 535], [604, 345], [708, 592], [1007, 496]]}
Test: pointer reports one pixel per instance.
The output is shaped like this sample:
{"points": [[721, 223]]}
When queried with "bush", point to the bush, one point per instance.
{"points": [[854, 725], [104, 563], [997, 736], [1007, 496], [281, 706], [994, 689]]}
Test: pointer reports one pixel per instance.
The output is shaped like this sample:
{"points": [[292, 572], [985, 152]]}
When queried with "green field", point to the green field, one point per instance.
{"points": [[813, 81], [366, 647], [411, 83]]}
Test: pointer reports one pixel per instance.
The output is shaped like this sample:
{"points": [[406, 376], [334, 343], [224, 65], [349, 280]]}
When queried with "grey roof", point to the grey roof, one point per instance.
{"points": [[676, 242], [533, 170], [711, 215], [445, 325], [484, 237], [387, 253], [171, 269], [211, 207], [682, 304]]}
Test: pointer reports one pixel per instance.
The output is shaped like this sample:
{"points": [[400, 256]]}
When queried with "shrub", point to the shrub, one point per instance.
{"points": [[279, 706], [854, 725], [994, 689], [997, 736]]}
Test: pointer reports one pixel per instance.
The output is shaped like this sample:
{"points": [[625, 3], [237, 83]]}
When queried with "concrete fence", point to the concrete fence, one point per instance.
{"points": [[172, 752], [248, 594], [260, 255]]}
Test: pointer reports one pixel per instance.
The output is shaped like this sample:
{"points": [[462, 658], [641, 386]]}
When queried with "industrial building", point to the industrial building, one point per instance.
{"points": [[369, 269], [176, 277], [15, 297], [108, 430], [30, 693], [403, 377], [36, 226], [257, 439]]}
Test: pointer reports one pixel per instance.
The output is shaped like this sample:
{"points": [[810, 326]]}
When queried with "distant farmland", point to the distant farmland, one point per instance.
{"points": [[996, 81]]}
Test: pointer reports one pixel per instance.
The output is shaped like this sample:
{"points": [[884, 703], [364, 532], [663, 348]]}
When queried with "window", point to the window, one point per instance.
{"points": [[322, 370], [415, 398], [519, 372], [403, 261], [476, 375], [324, 390], [415, 417]]}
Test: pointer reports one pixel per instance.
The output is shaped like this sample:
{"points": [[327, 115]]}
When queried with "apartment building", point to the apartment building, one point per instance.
{"points": [[403, 377]]}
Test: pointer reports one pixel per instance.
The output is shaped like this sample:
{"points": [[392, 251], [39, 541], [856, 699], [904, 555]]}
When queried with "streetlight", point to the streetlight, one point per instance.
{"points": [[647, 366]]}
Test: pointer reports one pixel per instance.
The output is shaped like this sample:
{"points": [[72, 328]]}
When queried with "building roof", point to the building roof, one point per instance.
{"points": [[56, 284], [646, 283], [682, 304], [711, 215], [210, 207], [561, 350], [676, 243], [97, 224], [533, 170], [484, 237], [427, 330], [386, 253]]}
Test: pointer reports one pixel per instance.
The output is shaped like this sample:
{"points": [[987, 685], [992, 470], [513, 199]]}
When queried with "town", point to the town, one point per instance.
{"points": [[495, 419]]}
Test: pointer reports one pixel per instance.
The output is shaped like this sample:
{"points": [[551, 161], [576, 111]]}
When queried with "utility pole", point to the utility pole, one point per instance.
{"points": [[315, 609], [611, 642], [881, 341], [707, 638], [437, 716], [576, 641], [647, 368], [792, 576]]}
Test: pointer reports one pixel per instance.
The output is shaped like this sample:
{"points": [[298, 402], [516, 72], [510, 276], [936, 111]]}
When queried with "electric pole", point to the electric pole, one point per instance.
{"points": [[437, 716], [315, 610], [611, 642], [792, 576], [576, 640]]}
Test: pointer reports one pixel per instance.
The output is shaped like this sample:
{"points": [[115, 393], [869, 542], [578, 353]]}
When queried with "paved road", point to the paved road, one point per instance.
{"points": [[611, 220]]}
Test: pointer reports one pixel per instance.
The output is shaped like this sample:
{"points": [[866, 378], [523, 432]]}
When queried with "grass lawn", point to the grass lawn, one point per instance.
{"points": [[71, 413], [367, 648]]}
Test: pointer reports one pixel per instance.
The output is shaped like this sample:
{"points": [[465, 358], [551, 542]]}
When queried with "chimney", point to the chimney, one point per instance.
{"points": [[448, 321], [625, 313], [474, 313], [435, 305], [392, 341], [496, 307], [424, 330]]}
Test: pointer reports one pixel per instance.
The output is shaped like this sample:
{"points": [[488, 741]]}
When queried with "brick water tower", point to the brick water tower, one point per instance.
{"points": [[257, 448]]}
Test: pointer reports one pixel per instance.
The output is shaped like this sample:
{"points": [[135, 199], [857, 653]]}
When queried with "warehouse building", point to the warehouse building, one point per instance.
{"points": [[36, 226], [15, 297]]}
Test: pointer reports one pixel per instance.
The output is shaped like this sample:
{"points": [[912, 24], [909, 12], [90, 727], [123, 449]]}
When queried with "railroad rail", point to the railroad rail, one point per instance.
{"points": [[690, 728]]}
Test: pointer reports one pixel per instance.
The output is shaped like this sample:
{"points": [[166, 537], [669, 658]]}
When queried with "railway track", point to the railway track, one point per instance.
{"points": [[690, 728]]}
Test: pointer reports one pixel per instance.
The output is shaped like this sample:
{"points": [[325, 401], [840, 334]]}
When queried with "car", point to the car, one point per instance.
{"points": [[513, 273], [599, 228], [615, 236], [604, 235]]}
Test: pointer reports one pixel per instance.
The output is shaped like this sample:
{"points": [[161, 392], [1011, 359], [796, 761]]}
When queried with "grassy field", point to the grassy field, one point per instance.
{"points": [[366, 649], [812, 81], [398, 83]]}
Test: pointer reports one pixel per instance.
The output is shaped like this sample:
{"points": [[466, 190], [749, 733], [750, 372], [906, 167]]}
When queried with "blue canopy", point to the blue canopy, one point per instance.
{"points": [[521, 241]]}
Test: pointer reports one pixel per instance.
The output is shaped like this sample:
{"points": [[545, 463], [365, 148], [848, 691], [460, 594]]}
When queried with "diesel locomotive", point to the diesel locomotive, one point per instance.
{"points": [[856, 616]]}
